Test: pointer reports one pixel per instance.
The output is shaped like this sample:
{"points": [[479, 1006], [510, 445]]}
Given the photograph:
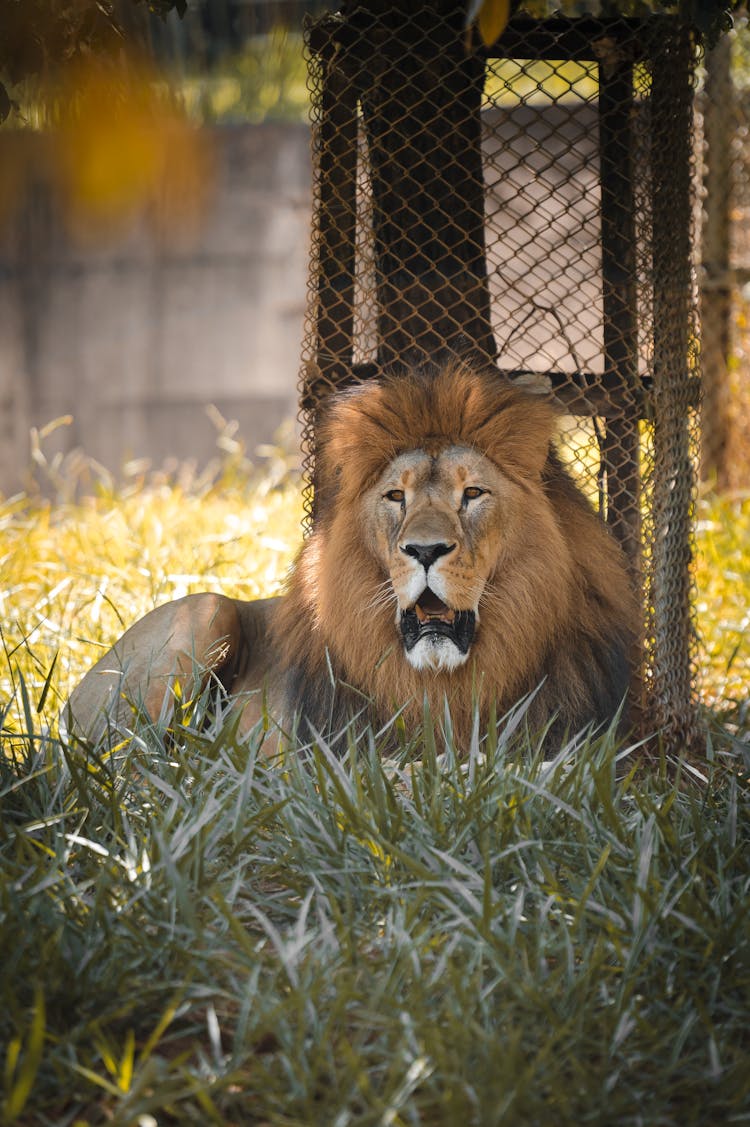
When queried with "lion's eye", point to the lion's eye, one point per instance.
{"points": [[472, 492], [396, 495]]}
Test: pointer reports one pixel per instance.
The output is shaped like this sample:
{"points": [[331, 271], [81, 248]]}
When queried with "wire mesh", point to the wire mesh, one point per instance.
{"points": [[531, 203]]}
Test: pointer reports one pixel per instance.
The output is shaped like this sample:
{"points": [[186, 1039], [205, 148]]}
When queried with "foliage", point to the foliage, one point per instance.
{"points": [[267, 80], [39, 36]]}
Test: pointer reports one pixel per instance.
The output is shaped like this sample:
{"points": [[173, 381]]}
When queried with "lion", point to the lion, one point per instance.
{"points": [[452, 561]]}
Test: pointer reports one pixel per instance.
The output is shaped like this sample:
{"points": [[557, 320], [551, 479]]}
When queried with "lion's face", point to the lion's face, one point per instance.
{"points": [[434, 520]]}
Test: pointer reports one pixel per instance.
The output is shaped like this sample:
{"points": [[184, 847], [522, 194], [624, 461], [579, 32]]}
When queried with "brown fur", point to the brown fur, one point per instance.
{"points": [[556, 607]]}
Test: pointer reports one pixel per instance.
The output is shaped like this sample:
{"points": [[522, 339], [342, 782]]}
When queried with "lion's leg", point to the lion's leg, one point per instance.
{"points": [[181, 642]]}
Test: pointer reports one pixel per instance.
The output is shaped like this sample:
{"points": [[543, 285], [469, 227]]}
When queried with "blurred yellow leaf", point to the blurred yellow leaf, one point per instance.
{"points": [[493, 17], [125, 147]]}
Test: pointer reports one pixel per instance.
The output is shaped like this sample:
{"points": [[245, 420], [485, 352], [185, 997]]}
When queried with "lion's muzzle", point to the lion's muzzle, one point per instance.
{"points": [[430, 620]]}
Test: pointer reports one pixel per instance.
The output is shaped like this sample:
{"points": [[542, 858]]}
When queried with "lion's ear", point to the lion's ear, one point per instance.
{"points": [[356, 436], [518, 436], [343, 448]]}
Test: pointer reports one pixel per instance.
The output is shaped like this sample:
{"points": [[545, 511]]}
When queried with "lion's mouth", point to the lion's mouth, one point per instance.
{"points": [[430, 617]]}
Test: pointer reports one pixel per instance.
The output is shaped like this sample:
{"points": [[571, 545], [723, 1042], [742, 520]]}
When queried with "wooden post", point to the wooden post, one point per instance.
{"points": [[421, 101], [337, 228], [621, 446], [619, 301], [672, 709]]}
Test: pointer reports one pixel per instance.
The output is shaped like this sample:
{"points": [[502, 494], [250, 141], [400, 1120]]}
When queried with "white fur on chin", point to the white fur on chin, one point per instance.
{"points": [[436, 654]]}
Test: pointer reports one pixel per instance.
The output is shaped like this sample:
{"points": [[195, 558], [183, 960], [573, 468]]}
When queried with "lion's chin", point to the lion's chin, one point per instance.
{"points": [[436, 638], [435, 654]]}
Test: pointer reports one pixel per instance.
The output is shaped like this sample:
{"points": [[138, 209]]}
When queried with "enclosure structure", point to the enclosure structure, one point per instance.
{"points": [[531, 203]]}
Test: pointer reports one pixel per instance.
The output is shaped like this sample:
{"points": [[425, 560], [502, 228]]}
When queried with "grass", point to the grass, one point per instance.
{"points": [[723, 602], [192, 935], [75, 573]]}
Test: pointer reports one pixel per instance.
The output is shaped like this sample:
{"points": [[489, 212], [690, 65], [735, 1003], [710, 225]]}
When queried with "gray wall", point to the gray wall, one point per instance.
{"points": [[133, 339]]}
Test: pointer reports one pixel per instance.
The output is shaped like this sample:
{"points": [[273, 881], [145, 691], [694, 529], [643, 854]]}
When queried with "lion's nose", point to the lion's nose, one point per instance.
{"points": [[426, 554]]}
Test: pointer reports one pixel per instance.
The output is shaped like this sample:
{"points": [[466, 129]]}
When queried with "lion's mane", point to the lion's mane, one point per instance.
{"points": [[557, 618]]}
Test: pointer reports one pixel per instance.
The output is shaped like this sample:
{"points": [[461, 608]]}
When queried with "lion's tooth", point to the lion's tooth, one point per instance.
{"points": [[423, 615]]}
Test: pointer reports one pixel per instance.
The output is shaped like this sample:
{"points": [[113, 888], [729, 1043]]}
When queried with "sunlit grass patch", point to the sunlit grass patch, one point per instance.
{"points": [[75, 574], [723, 600]]}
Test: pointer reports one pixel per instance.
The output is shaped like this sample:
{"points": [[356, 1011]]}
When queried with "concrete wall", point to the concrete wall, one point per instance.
{"points": [[133, 338]]}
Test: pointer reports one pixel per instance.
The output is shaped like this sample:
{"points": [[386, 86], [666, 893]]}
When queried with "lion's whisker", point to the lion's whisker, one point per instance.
{"points": [[384, 595]]}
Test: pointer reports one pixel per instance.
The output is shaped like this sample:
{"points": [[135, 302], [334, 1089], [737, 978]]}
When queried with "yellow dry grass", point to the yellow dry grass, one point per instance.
{"points": [[722, 581], [74, 574]]}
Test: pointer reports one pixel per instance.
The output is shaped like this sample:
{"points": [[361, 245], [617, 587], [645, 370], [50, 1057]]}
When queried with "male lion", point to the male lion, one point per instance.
{"points": [[452, 559]]}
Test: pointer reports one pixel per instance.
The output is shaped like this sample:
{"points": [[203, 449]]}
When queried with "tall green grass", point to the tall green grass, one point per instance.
{"points": [[189, 934], [192, 935]]}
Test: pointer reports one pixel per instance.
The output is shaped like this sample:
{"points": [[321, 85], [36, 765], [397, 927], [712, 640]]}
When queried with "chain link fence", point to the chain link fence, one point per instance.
{"points": [[532, 203]]}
